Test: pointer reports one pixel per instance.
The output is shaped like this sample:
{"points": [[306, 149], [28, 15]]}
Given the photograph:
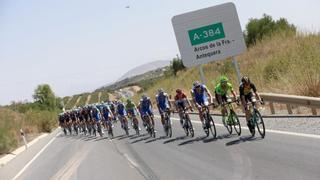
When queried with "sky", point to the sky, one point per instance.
{"points": [[79, 45]]}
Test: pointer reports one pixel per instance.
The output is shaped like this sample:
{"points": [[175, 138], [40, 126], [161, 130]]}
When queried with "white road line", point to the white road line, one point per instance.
{"points": [[267, 130], [35, 157], [132, 162]]}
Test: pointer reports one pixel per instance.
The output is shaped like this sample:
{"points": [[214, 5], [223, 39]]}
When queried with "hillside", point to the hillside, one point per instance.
{"points": [[134, 80], [144, 68], [281, 64]]}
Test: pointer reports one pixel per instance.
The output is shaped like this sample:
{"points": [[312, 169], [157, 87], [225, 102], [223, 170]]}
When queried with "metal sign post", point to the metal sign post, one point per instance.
{"points": [[236, 66], [203, 78]]}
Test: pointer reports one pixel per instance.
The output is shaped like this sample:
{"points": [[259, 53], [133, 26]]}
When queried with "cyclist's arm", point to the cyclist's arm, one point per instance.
{"points": [[194, 99], [152, 105], [168, 101], [190, 106], [156, 103], [209, 94], [254, 89], [241, 91], [234, 94]]}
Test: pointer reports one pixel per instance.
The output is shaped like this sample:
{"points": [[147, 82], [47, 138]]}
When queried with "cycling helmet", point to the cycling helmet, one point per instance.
{"points": [[196, 84], [245, 79], [223, 79], [144, 97], [160, 91], [179, 91]]}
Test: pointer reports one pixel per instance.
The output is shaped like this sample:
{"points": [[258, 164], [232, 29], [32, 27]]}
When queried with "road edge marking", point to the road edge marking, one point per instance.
{"points": [[35, 157], [7, 158]]}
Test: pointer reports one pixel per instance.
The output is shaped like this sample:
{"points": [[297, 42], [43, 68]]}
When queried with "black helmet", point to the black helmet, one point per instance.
{"points": [[245, 79]]}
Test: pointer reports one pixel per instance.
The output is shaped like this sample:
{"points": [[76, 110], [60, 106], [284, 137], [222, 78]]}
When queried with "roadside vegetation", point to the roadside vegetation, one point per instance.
{"points": [[34, 118], [279, 59]]}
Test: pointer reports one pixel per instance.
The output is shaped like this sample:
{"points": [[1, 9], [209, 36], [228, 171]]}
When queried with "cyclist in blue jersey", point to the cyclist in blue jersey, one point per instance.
{"points": [[96, 115], [121, 111], [201, 97], [107, 116], [145, 107], [163, 103]]}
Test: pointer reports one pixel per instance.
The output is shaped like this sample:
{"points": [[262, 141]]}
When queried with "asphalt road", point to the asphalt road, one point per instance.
{"points": [[278, 156]]}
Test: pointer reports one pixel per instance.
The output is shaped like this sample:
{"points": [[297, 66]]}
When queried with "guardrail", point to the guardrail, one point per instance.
{"points": [[289, 100]]}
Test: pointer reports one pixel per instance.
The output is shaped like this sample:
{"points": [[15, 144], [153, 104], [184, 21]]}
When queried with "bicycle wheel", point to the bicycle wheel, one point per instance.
{"points": [[236, 123], [137, 130], [110, 133], [100, 130], [190, 126], [169, 129], [206, 129], [185, 126], [212, 127], [126, 129], [153, 132], [228, 125], [260, 123]]}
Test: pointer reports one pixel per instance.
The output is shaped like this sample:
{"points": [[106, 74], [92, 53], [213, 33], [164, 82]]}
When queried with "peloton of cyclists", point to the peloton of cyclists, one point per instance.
{"points": [[201, 96]]}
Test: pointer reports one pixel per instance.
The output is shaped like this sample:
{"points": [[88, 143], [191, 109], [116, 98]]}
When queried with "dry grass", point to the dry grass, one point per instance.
{"points": [[32, 122]]}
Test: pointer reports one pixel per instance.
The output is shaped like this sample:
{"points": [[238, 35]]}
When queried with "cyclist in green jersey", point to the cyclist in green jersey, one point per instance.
{"points": [[132, 111], [222, 91]]}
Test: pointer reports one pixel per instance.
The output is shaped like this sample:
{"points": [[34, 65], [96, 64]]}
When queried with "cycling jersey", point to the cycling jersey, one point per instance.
{"points": [[121, 109], [131, 108], [96, 114], [200, 97], [145, 107], [223, 91], [106, 113], [180, 100], [245, 90], [162, 101]]}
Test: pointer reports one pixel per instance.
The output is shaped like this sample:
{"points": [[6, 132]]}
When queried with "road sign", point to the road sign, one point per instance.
{"points": [[209, 34]]}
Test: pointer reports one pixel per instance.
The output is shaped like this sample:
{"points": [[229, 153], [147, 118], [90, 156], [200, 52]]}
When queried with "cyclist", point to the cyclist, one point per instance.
{"points": [[247, 89], [121, 112], [222, 90], [81, 119], [201, 97], [163, 104], [107, 116], [145, 107], [113, 109], [97, 117], [181, 101], [132, 110], [62, 123]]}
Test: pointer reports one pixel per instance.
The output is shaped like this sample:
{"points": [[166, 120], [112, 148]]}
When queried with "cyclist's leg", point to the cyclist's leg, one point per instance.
{"points": [[161, 112], [248, 98], [245, 100], [224, 99], [151, 116]]}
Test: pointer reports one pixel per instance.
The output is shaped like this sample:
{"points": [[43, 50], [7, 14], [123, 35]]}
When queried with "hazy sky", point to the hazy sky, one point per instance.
{"points": [[80, 45]]}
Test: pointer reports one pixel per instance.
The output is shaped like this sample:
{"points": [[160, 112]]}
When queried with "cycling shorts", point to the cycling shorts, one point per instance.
{"points": [[224, 98], [132, 112], [146, 112], [202, 102]]}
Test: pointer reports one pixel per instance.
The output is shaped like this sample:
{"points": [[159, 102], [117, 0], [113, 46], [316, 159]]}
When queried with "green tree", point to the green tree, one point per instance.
{"points": [[44, 97], [176, 65], [257, 29]]}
